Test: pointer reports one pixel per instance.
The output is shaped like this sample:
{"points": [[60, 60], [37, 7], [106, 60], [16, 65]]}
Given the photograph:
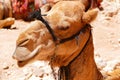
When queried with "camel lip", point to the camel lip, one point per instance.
{"points": [[19, 54], [23, 54]]}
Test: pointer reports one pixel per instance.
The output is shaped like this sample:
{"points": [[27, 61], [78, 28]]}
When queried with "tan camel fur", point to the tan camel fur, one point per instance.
{"points": [[6, 22]]}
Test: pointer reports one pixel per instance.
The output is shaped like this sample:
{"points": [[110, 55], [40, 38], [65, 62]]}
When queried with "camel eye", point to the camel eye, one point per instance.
{"points": [[23, 43]]}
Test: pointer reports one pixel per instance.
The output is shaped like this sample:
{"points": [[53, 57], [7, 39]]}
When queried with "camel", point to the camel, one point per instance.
{"points": [[69, 45], [6, 22], [6, 14]]}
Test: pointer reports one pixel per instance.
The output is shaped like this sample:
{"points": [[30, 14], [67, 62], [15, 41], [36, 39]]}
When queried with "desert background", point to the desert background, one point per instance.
{"points": [[106, 38]]}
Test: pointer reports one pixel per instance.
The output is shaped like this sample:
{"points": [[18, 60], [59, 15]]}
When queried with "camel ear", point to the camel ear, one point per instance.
{"points": [[90, 15]]}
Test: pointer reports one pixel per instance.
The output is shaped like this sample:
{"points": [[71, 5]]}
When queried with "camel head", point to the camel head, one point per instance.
{"points": [[36, 42], [36, 39]]}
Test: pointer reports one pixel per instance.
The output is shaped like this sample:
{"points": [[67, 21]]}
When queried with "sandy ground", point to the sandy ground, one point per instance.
{"points": [[106, 36], [106, 33]]}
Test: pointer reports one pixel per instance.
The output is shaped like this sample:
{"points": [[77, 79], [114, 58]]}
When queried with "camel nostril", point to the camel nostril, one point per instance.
{"points": [[23, 43]]}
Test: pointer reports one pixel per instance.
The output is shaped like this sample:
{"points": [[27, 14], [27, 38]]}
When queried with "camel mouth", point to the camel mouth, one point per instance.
{"points": [[22, 53], [21, 63], [18, 54]]}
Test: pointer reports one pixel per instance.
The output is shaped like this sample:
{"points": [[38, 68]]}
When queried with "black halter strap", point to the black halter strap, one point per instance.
{"points": [[64, 70], [37, 14]]}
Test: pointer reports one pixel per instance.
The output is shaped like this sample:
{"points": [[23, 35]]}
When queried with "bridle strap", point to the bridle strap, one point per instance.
{"points": [[37, 14], [85, 43], [64, 70]]}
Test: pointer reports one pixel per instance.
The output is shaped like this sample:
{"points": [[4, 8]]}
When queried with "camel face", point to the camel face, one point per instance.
{"points": [[65, 20], [36, 43], [32, 41]]}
